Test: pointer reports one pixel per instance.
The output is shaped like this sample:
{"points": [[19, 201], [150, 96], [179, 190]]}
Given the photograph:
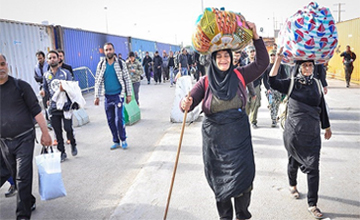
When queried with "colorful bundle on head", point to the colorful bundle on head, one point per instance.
{"points": [[218, 30], [310, 34]]}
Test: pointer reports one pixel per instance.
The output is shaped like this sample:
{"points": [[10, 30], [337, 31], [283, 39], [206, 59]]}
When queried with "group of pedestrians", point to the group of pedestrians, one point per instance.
{"points": [[173, 65]]}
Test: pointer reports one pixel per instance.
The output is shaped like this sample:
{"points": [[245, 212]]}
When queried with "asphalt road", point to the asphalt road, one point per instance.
{"points": [[134, 183]]}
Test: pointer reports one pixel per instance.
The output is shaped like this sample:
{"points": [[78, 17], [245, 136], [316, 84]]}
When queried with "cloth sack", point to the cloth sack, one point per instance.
{"points": [[218, 29], [309, 34], [51, 185]]}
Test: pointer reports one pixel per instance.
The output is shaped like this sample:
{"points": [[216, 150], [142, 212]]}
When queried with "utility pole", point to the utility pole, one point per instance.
{"points": [[107, 29], [339, 10]]}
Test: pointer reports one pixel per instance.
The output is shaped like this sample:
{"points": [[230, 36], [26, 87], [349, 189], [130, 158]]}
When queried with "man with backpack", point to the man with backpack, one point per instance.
{"points": [[52, 86], [349, 58], [183, 63], [18, 108], [112, 75]]}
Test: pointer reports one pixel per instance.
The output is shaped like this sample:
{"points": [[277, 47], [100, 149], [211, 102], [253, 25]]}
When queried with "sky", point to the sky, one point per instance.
{"points": [[167, 21]]}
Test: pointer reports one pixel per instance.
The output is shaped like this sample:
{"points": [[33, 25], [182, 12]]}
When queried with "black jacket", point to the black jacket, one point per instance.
{"points": [[171, 62], [157, 61], [281, 75], [320, 73], [146, 62], [69, 68]]}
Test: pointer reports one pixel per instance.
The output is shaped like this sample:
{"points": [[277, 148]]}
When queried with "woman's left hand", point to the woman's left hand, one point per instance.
{"points": [[328, 134], [252, 27]]}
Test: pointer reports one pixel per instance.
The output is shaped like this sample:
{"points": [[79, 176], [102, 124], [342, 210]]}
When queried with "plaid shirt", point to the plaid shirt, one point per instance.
{"points": [[122, 75]]}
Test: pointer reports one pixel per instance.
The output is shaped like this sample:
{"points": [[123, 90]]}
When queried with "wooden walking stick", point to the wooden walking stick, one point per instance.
{"points": [[176, 162]]}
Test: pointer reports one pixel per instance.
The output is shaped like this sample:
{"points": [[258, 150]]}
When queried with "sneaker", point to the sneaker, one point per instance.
{"points": [[254, 125], [63, 156], [55, 143], [273, 124], [11, 191], [74, 150], [115, 146], [124, 145]]}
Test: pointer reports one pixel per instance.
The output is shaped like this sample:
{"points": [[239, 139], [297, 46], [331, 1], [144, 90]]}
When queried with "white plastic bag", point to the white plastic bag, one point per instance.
{"points": [[51, 185]]}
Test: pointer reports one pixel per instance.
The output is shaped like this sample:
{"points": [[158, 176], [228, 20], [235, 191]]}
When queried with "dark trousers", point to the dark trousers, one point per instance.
{"points": [[136, 87], [348, 72], [147, 73], [18, 157], [312, 180], [56, 122], [165, 73], [225, 208], [44, 100], [157, 74], [200, 72], [114, 108]]}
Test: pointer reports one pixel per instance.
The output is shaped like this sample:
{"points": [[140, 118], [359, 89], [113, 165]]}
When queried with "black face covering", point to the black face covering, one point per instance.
{"points": [[223, 84]]}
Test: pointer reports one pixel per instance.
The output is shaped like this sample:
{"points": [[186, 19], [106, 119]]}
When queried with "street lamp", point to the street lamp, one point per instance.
{"points": [[106, 19]]}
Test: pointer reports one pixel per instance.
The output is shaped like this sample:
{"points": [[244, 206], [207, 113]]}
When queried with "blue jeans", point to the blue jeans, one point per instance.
{"points": [[171, 75], [184, 71], [114, 108]]}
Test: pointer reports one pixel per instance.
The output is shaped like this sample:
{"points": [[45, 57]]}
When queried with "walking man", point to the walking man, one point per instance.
{"points": [[274, 97], [146, 64], [183, 63], [63, 65], [18, 108], [165, 68], [40, 68], [157, 67], [254, 104], [135, 69], [112, 75], [51, 86], [349, 58]]}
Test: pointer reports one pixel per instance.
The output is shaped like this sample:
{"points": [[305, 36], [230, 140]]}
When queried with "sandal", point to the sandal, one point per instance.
{"points": [[315, 212], [294, 193]]}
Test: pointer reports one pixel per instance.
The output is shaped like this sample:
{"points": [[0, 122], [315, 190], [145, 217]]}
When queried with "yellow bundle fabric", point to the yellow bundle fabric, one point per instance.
{"points": [[218, 29]]}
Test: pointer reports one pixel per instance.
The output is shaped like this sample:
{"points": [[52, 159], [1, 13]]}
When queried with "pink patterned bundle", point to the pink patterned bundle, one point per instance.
{"points": [[310, 34]]}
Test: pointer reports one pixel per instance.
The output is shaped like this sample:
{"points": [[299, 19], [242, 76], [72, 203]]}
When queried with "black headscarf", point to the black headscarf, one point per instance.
{"points": [[300, 77], [223, 84]]}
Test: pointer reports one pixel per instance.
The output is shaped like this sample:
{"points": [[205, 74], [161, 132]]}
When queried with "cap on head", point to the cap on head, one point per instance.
{"points": [[250, 48], [272, 52]]}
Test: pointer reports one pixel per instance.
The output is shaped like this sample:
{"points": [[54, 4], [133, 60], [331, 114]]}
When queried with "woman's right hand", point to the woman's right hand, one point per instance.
{"points": [[186, 103], [252, 27], [279, 54], [278, 58]]}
